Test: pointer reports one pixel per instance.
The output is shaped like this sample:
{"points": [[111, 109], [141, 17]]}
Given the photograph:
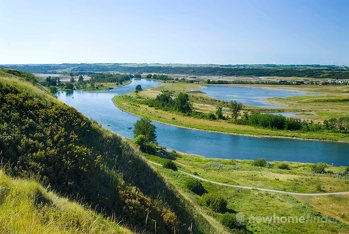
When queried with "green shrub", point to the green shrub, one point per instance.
{"points": [[319, 168], [53, 89], [196, 187], [212, 116], [170, 165], [144, 146], [229, 220], [284, 166], [260, 162], [346, 171], [140, 140], [216, 203]]}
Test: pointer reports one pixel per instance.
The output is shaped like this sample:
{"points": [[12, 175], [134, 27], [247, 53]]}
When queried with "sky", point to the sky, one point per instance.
{"points": [[175, 31]]}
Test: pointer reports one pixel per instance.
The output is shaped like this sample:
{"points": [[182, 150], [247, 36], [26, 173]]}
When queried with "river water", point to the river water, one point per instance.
{"points": [[250, 96], [99, 107]]}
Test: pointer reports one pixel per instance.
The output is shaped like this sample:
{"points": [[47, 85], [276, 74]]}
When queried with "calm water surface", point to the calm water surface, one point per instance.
{"points": [[250, 96], [99, 106]]}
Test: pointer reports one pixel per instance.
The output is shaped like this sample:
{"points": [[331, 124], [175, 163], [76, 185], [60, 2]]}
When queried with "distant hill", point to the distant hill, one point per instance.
{"points": [[314, 71], [45, 139]]}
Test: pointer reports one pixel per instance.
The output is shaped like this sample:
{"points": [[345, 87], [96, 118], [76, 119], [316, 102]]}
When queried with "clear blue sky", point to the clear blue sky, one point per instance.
{"points": [[175, 31]]}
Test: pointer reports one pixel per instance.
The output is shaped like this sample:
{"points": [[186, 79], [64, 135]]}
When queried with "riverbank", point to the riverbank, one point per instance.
{"points": [[130, 104]]}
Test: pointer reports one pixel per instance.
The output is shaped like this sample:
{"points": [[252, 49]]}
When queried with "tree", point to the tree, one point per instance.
{"points": [[149, 76], [219, 113], [72, 80], [138, 88], [81, 79], [165, 98], [235, 108], [53, 89], [138, 76], [69, 86], [145, 128], [182, 103]]}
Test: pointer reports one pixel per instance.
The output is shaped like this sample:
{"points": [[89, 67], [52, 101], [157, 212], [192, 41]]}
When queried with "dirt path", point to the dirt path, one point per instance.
{"points": [[259, 189]]}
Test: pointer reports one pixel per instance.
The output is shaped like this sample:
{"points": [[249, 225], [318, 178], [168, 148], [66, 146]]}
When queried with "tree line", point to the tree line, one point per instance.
{"points": [[274, 121], [181, 103]]}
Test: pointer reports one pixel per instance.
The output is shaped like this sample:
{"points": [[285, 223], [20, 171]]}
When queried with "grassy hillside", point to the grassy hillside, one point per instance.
{"points": [[47, 140], [27, 207], [322, 214]]}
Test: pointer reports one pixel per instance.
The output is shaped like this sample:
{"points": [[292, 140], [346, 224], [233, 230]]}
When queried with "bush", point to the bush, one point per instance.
{"points": [[170, 165], [140, 141], [345, 172], [319, 168], [196, 187], [144, 146], [338, 125], [284, 166], [212, 116], [260, 162], [229, 220], [216, 203], [53, 89]]}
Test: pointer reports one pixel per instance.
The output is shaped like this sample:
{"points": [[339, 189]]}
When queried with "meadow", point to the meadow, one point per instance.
{"points": [[298, 177]]}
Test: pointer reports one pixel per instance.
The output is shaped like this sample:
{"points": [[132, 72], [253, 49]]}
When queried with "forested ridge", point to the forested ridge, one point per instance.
{"points": [[313, 71], [45, 139]]}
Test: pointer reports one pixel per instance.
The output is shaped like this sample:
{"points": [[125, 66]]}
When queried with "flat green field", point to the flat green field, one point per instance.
{"points": [[99, 87], [330, 106], [332, 210]]}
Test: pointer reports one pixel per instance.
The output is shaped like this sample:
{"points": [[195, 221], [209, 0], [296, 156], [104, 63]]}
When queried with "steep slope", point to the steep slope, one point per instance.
{"points": [[43, 138], [27, 207]]}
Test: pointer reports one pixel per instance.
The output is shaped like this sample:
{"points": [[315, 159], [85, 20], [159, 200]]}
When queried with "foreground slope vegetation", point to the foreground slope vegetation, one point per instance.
{"points": [[27, 207], [45, 139]]}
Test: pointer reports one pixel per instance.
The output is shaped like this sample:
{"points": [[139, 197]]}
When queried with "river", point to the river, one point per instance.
{"points": [[99, 107]]}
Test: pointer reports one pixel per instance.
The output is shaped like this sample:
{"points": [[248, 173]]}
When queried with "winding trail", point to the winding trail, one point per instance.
{"points": [[256, 188]]}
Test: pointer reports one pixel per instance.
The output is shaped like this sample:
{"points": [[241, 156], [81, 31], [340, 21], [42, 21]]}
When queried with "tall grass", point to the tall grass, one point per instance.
{"points": [[27, 207]]}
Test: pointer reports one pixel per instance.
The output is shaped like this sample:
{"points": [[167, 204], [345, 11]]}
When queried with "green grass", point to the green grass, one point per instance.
{"points": [[323, 107], [300, 177], [253, 203], [131, 103], [27, 207], [101, 86]]}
